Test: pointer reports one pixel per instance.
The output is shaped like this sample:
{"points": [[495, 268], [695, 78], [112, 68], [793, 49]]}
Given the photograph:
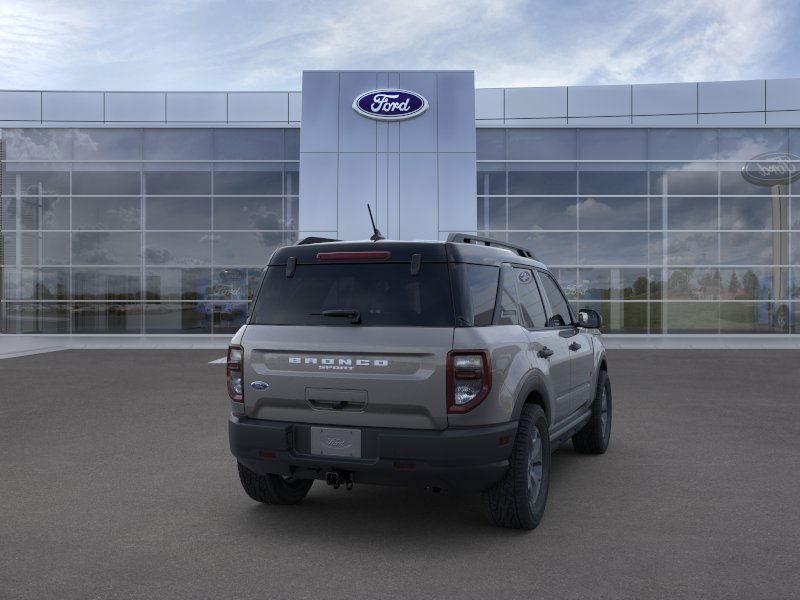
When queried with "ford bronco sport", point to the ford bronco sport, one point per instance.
{"points": [[457, 365]]}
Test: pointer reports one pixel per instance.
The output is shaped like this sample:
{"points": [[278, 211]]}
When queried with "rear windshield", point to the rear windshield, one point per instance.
{"points": [[383, 294]]}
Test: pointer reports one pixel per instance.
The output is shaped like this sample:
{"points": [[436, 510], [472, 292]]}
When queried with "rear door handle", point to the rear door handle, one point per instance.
{"points": [[574, 346], [545, 352]]}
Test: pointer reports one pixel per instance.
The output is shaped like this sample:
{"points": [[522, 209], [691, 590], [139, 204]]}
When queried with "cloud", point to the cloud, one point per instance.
{"points": [[205, 44]]}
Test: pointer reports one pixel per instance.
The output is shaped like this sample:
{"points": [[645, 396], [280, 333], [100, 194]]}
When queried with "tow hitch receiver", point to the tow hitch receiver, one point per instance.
{"points": [[337, 478]]}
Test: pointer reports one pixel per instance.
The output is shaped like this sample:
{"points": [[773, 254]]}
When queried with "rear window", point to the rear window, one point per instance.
{"points": [[383, 294]]}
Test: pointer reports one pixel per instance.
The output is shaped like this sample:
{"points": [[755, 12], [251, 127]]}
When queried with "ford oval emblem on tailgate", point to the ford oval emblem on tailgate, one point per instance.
{"points": [[259, 385]]}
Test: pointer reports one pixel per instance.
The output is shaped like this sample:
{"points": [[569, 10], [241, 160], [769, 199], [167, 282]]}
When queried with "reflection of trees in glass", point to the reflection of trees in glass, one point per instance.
{"points": [[639, 289], [734, 286], [750, 285]]}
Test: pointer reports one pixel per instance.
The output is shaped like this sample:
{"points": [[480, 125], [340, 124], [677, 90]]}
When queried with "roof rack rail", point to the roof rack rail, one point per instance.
{"points": [[312, 239], [466, 238]]}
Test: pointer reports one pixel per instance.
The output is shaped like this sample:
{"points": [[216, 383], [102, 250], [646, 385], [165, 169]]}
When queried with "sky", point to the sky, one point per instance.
{"points": [[262, 45]]}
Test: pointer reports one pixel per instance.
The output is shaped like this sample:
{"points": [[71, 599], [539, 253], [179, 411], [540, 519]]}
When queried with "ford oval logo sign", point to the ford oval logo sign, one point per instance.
{"points": [[390, 105], [772, 168]]}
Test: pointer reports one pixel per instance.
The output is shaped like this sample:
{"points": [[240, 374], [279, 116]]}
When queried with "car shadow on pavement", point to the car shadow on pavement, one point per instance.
{"points": [[370, 512]]}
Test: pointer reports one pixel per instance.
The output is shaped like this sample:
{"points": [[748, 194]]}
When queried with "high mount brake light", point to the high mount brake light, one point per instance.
{"points": [[469, 379], [369, 255], [234, 373]]}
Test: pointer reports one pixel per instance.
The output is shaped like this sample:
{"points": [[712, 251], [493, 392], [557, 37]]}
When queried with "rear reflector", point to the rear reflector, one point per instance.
{"points": [[370, 255]]}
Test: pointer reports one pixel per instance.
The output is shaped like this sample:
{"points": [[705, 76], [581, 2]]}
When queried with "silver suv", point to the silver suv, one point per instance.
{"points": [[455, 365]]}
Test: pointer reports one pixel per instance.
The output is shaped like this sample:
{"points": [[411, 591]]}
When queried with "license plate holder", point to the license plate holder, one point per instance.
{"points": [[334, 441]]}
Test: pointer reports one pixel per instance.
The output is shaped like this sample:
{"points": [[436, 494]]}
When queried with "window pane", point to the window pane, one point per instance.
{"points": [[613, 182], [541, 144], [118, 183], [107, 144], [550, 248], [248, 144], [35, 183], [542, 213], [612, 213], [291, 179], [474, 293], [291, 144], [682, 144], [229, 317], [36, 284], [567, 278], [692, 248], [613, 248], [749, 248], [690, 317], [747, 317], [559, 307], [49, 248], [523, 181], [692, 213], [106, 317], [178, 183], [178, 144], [693, 284], [174, 212], [491, 213], [613, 284], [491, 179], [115, 248], [45, 212], [746, 144], [490, 144], [248, 213], [176, 317], [530, 300], [34, 317], [733, 182], [683, 183], [621, 317], [608, 144], [105, 213], [178, 248], [38, 144], [251, 183], [178, 284], [106, 284], [754, 213], [754, 283], [8, 214], [235, 284], [245, 248]]}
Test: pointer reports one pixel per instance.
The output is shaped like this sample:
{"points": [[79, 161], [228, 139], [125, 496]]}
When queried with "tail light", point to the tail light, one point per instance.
{"points": [[469, 379], [235, 373]]}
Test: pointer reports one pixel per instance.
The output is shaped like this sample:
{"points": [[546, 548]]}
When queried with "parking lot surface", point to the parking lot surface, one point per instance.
{"points": [[116, 482]]}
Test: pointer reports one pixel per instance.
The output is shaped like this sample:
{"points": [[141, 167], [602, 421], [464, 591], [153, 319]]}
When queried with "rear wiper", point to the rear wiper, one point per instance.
{"points": [[353, 315]]}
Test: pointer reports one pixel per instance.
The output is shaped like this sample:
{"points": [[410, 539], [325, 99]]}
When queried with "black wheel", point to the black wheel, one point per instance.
{"points": [[594, 437], [273, 489], [518, 500]]}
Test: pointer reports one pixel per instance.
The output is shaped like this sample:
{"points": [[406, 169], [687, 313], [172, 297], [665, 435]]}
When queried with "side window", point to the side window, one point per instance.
{"points": [[530, 300], [508, 298], [558, 304]]}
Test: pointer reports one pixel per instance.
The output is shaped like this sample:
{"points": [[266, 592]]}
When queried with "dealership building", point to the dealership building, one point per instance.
{"points": [[670, 208]]}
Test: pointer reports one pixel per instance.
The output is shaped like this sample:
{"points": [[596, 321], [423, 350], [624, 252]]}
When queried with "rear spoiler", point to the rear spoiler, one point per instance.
{"points": [[315, 240]]}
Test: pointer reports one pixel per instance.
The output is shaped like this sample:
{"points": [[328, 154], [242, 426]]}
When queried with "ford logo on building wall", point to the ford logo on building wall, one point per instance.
{"points": [[772, 168], [390, 105]]}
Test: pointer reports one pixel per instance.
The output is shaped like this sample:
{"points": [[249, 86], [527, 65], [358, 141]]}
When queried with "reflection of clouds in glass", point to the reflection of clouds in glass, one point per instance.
{"points": [[188, 249], [84, 144], [37, 144], [692, 248], [753, 248]]}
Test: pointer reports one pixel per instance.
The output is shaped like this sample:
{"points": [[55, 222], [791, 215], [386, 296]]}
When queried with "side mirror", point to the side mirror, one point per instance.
{"points": [[590, 319]]}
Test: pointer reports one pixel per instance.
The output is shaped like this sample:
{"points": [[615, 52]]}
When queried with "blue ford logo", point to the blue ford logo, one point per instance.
{"points": [[390, 105], [259, 385], [772, 168]]}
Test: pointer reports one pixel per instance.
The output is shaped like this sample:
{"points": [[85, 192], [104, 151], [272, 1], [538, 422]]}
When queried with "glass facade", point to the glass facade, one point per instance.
{"points": [[141, 230], [159, 230], [656, 229]]}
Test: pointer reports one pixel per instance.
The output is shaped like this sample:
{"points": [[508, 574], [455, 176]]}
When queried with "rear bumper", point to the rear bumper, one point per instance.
{"points": [[465, 459]]}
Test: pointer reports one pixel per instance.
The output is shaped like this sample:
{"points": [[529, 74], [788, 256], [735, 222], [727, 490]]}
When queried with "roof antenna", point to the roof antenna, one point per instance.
{"points": [[377, 235]]}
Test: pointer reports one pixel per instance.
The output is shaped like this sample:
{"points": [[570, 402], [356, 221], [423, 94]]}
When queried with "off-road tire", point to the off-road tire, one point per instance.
{"points": [[595, 435], [512, 502], [273, 489]]}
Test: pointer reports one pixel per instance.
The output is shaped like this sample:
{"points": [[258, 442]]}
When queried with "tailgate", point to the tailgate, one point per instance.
{"points": [[350, 376]]}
